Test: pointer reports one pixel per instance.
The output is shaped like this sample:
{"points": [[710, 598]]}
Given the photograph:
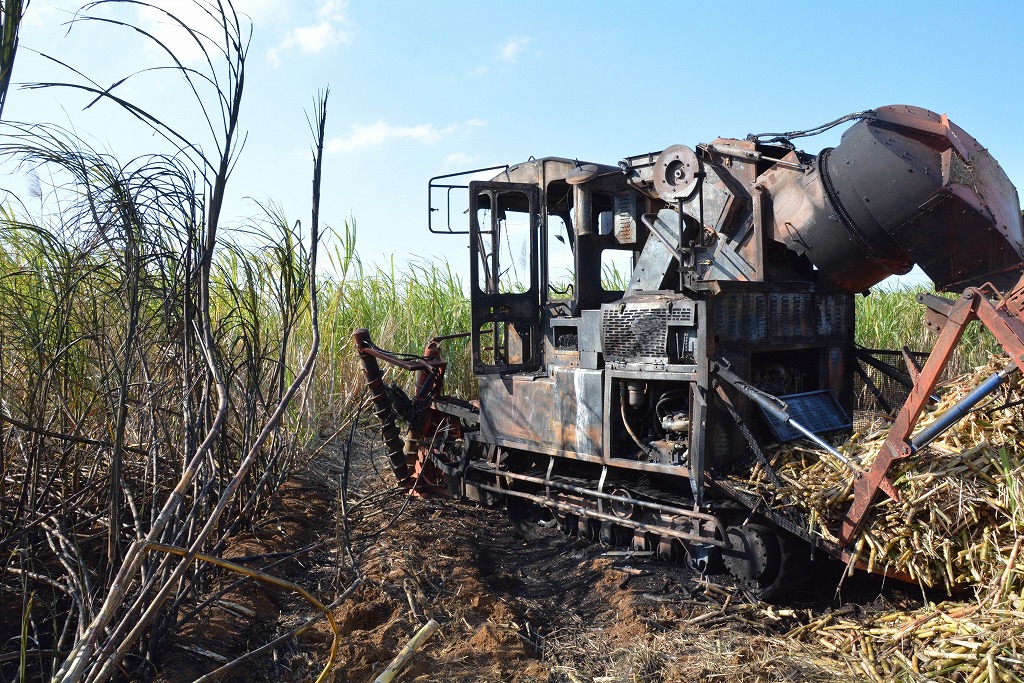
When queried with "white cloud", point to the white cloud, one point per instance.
{"points": [[508, 53], [259, 11], [376, 134], [510, 49], [201, 16], [48, 12], [362, 137], [325, 30]]}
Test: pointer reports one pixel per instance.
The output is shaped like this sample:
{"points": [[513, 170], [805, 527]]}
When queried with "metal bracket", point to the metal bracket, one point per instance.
{"points": [[547, 476]]}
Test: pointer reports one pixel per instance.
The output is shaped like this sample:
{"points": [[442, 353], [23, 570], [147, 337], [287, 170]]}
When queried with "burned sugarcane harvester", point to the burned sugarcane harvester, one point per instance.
{"points": [[621, 403]]}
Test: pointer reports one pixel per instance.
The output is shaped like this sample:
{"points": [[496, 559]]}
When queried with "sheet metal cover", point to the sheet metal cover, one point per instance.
{"points": [[818, 411]]}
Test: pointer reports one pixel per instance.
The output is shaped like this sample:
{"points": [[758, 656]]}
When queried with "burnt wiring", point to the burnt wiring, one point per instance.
{"points": [[415, 483], [401, 403], [680, 396], [508, 245], [346, 509], [412, 410], [1008, 404], [784, 138], [409, 409], [562, 292], [405, 504]]}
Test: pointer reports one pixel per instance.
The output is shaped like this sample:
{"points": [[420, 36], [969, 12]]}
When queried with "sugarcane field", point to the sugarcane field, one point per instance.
{"points": [[381, 342]]}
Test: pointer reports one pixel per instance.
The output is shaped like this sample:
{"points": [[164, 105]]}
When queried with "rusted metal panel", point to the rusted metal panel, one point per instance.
{"points": [[562, 411]]}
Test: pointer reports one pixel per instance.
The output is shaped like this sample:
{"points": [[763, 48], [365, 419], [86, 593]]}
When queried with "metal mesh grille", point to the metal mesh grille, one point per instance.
{"points": [[867, 408], [831, 314], [894, 393], [818, 411], [741, 316], [789, 315], [755, 316], [640, 333]]}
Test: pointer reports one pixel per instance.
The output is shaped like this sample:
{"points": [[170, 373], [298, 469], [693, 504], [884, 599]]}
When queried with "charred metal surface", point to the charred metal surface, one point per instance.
{"points": [[628, 506], [904, 187], [463, 410], [634, 327], [562, 411], [684, 531]]}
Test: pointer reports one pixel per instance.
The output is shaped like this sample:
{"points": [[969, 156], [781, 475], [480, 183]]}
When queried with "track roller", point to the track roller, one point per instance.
{"points": [[642, 541], [668, 549], [588, 529], [606, 537], [567, 524]]}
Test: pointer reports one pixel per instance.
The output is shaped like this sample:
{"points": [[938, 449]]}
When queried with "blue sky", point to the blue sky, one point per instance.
{"points": [[424, 88]]}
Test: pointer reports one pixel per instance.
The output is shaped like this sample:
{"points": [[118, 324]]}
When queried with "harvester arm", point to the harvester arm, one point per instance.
{"points": [[429, 381], [1004, 318], [414, 464]]}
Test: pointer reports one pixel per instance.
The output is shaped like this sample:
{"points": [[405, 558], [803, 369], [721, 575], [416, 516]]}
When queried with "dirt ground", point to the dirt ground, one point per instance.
{"points": [[511, 607]]}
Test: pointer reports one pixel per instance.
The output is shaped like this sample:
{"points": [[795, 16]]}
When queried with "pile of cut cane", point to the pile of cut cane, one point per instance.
{"points": [[959, 522]]}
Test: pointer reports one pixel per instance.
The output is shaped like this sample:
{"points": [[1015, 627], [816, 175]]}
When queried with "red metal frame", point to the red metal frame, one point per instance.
{"points": [[1005, 320], [411, 459]]}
